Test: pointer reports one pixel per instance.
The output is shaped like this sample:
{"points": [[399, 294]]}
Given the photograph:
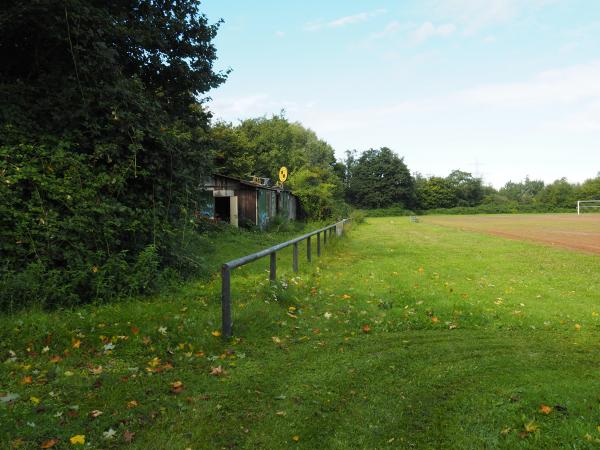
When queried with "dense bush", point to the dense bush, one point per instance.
{"points": [[103, 144]]}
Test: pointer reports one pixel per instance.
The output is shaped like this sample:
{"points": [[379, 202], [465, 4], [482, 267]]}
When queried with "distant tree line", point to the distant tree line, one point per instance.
{"points": [[381, 179]]}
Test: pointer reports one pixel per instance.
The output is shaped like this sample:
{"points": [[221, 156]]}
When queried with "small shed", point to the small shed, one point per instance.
{"points": [[244, 203]]}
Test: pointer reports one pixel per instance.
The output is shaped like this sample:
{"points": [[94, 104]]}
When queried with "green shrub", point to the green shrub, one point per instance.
{"points": [[357, 217]]}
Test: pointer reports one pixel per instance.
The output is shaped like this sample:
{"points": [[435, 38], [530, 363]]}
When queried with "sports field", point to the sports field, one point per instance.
{"points": [[563, 230], [401, 336]]}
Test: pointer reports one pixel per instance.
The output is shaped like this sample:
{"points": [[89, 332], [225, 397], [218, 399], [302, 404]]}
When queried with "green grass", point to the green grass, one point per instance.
{"points": [[468, 335]]}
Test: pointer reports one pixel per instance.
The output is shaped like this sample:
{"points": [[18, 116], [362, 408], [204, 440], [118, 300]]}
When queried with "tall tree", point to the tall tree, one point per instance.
{"points": [[379, 179]]}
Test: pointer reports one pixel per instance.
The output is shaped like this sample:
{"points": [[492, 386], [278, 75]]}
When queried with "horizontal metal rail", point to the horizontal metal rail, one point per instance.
{"points": [[226, 328]]}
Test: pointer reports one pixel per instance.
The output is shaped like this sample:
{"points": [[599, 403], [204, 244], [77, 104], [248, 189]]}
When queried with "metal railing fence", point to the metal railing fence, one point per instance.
{"points": [[338, 228]]}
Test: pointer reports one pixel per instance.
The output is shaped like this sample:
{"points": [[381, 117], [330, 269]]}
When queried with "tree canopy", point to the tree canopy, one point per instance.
{"points": [[103, 135], [378, 179]]}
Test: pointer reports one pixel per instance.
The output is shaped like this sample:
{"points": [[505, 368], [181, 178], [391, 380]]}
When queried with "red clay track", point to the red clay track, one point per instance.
{"points": [[564, 230]]}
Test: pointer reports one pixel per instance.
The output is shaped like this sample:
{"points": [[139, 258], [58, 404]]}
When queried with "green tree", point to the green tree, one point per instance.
{"points": [[559, 194], [379, 179], [468, 189], [260, 146], [435, 192], [523, 192], [103, 138], [590, 189], [319, 191]]}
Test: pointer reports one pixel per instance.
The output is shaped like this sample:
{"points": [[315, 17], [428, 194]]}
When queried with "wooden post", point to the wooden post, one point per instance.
{"points": [[308, 249]]}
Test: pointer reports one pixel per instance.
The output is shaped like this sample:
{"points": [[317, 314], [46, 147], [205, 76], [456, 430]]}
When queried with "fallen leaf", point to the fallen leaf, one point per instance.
{"points": [[295, 438], [27, 380], [346, 296], [75, 343], [135, 330], [545, 409], [128, 436], [421, 270], [176, 387], [283, 413], [276, 340], [55, 359], [577, 327], [162, 330], [216, 333], [96, 370], [36, 401], [109, 434], [154, 362], [49, 443], [95, 413], [531, 427], [366, 328], [78, 439], [434, 319], [132, 404], [217, 371]]}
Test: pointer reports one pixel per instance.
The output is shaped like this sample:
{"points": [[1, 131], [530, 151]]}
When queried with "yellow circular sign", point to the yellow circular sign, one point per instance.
{"points": [[283, 174]]}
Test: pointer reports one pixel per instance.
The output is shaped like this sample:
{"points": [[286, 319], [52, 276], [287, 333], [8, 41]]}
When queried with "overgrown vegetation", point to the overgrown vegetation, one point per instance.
{"points": [[103, 143]]}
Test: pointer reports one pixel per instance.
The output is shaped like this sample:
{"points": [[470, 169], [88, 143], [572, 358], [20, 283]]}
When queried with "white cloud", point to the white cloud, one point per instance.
{"points": [[256, 105], [558, 86], [279, 34], [475, 15], [230, 108], [390, 29], [343, 21], [428, 30]]}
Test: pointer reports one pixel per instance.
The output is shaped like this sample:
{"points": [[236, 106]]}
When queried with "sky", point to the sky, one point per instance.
{"points": [[503, 89]]}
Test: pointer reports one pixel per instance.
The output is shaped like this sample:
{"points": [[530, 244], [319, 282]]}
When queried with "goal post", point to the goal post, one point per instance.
{"points": [[585, 204]]}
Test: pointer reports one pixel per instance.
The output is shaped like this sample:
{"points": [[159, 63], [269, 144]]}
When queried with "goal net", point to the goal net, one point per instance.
{"points": [[582, 205]]}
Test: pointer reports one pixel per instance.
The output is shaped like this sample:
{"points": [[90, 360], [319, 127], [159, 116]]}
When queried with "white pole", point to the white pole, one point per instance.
{"points": [[577, 207]]}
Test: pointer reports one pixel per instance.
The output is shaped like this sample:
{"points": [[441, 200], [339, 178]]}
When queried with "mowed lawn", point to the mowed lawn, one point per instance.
{"points": [[403, 335]]}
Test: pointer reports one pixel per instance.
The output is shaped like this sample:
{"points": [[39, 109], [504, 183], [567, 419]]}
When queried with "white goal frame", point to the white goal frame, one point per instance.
{"points": [[581, 204]]}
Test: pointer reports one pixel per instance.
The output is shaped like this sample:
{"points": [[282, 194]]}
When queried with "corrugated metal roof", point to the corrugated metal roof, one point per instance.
{"points": [[250, 183]]}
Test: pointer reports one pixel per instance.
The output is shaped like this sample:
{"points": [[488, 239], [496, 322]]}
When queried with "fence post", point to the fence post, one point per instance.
{"points": [[226, 301], [308, 249], [273, 271], [318, 244], [295, 261]]}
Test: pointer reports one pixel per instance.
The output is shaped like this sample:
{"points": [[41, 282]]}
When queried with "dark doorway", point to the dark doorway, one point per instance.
{"points": [[222, 209]]}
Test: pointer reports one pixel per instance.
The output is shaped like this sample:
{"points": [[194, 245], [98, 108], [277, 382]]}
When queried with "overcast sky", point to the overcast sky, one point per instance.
{"points": [[499, 88]]}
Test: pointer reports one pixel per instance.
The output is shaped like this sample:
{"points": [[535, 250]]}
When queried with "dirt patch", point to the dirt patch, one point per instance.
{"points": [[563, 230]]}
